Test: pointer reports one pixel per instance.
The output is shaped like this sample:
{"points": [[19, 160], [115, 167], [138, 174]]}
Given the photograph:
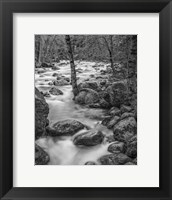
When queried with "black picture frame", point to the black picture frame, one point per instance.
{"points": [[7, 8]]}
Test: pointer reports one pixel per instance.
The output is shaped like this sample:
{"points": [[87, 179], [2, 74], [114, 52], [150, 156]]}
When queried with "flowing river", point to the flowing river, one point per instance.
{"points": [[62, 150]]}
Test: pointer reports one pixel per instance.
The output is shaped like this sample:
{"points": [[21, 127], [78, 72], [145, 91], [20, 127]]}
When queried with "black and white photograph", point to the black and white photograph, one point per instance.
{"points": [[85, 99]]}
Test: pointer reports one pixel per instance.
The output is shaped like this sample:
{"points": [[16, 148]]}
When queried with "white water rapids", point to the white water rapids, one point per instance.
{"points": [[61, 150]]}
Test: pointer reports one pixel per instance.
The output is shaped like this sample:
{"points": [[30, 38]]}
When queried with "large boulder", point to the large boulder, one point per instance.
{"points": [[89, 138], [55, 91], [41, 157], [114, 159], [125, 129], [65, 127], [116, 94], [132, 147], [41, 114], [87, 96], [88, 84]]}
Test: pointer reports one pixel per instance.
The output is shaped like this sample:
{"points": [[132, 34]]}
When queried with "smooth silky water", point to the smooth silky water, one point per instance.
{"points": [[62, 150]]}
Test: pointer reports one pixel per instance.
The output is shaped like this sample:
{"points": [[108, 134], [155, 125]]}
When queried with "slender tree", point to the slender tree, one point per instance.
{"points": [[72, 65]]}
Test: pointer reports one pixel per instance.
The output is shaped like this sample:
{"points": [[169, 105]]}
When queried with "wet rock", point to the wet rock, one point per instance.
{"points": [[90, 163], [117, 146], [114, 120], [41, 157], [117, 93], [127, 114], [90, 85], [114, 159], [125, 108], [132, 147], [125, 129], [55, 91], [65, 127], [89, 138], [87, 96], [41, 114]]}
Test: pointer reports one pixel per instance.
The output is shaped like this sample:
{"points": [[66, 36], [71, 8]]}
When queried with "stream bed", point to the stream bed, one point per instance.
{"points": [[61, 149]]}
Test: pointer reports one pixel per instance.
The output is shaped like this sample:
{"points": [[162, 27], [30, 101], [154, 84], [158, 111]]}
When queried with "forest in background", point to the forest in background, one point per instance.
{"points": [[112, 49]]}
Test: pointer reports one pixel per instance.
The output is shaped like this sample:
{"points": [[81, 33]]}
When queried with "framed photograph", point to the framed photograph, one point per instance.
{"points": [[85, 99]]}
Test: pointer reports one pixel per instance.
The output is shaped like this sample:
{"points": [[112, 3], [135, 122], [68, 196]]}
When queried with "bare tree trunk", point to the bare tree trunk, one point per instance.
{"points": [[72, 65]]}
